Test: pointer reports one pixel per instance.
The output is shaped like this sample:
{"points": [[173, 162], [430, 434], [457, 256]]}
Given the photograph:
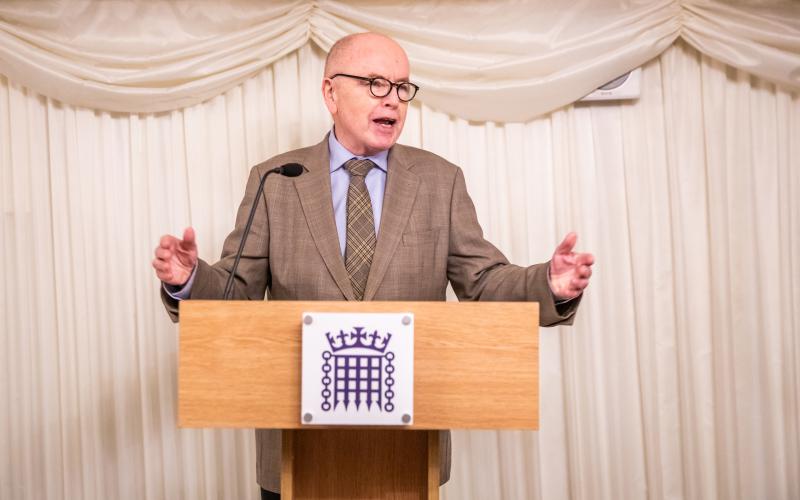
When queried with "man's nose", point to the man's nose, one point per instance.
{"points": [[391, 99]]}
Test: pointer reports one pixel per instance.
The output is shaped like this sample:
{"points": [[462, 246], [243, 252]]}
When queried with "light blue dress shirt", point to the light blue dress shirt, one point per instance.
{"points": [[340, 183]]}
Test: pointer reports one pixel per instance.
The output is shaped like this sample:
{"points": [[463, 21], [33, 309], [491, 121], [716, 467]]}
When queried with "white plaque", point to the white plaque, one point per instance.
{"points": [[357, 369]]}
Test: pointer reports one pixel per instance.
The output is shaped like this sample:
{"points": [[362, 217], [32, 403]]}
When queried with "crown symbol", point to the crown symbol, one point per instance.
{"points": [[358, 338]]}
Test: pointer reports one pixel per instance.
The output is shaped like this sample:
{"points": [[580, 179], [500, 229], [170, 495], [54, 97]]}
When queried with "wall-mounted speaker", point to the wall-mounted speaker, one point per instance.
{"points": [[625, 87]]}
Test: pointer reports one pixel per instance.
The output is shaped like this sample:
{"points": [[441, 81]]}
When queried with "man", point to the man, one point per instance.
{"points": [[397, 226]]}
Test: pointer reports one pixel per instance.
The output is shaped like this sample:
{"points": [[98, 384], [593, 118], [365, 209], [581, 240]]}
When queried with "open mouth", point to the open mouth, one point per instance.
{"points": [[384, 121]]}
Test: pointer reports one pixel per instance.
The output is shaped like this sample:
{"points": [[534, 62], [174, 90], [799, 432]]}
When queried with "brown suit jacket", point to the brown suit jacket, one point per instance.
{"points": [[429, 236]]}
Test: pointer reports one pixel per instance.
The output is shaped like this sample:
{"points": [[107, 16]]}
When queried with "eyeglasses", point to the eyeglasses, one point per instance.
{"points": [[380, 87]]}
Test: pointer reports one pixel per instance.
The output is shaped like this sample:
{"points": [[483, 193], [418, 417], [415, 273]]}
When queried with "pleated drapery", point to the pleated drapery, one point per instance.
{"points": [[531, 58], [680, 378]]}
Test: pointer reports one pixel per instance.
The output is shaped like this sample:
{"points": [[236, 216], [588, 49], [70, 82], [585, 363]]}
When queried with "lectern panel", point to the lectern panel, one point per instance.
{"points": [[476, 364]]}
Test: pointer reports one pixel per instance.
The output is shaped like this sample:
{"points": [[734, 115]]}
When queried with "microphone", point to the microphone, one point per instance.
{"points": [[287, 170]]}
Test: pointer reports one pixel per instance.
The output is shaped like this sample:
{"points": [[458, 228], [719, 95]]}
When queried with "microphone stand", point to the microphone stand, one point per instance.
{"points": [[288, 170]]}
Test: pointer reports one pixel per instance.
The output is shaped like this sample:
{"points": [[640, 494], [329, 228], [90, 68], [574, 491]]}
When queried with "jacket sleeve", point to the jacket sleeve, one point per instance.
{"points": [[479, 271], [252, 275]]}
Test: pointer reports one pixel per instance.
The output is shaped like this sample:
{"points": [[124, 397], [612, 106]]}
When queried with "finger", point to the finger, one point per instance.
{"points": [[163, 253], [167, 241], [567, 244], [584, 272], [585, 259], [163, 271], [578, 284], [161, 266], [166, 277]]}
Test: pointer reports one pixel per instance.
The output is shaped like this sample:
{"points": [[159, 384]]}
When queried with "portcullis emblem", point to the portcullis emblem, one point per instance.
{"points": [[358, 370]]}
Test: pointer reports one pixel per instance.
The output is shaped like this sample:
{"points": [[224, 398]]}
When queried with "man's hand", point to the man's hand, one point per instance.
{"points": [[569, 271], [175, 259]]}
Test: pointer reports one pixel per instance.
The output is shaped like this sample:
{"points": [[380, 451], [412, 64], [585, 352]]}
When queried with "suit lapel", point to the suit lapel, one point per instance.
{"points": [[314, 190], [398, 200]]}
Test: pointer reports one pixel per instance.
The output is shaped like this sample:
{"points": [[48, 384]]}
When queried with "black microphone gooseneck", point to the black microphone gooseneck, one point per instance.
{"points": [[288, 170]]}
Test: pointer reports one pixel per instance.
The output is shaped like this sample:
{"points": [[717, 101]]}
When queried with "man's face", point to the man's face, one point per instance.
{"points": [[366, 124]]}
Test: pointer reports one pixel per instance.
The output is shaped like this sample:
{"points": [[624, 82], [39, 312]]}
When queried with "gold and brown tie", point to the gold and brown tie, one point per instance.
{"points": [[360, 241]]}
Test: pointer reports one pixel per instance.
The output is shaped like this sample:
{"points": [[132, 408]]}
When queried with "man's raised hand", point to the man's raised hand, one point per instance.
{"points": [[569, 271], [176, 259]]}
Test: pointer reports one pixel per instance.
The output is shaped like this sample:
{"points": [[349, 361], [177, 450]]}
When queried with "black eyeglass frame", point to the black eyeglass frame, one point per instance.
{"points": [[392, 85]]}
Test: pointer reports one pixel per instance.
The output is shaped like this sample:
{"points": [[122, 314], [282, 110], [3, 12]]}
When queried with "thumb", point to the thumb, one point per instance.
{"points": [[188, 244], [567, 244], [188, 236]]}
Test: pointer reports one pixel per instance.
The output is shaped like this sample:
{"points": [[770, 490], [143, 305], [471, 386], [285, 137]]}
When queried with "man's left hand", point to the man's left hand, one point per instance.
{"points": [[569, 271]]}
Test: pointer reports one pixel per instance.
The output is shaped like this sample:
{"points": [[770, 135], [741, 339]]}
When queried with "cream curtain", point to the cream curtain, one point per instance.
{"points": [[680, 378], [532, 57]]}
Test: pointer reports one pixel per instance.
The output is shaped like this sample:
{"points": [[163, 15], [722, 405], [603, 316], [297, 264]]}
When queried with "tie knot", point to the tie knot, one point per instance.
{"points": [[359, 168]]}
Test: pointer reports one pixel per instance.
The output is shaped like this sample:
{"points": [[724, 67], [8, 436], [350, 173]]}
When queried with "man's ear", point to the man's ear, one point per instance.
{"points": [[329, 96]]}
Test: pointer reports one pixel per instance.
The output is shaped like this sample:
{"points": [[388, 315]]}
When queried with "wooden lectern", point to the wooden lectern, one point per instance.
{"points": [[475, 367]]}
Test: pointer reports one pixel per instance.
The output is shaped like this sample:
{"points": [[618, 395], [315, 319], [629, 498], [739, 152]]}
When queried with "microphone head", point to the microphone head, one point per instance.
{"points": [[291, 169]]}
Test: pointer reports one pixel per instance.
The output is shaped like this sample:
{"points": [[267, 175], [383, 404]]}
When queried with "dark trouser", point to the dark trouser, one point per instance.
{"points": [[268, 495]]}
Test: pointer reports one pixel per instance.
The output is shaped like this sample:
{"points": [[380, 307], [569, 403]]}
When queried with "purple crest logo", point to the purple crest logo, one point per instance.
{"points": [[359, 367]]}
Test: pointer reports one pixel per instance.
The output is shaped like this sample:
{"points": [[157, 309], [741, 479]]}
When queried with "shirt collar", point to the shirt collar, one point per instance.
{"points": [[339, 155]]}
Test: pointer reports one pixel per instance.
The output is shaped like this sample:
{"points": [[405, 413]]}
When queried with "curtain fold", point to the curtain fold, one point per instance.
{"points": [[763, 40], [532, 58]]}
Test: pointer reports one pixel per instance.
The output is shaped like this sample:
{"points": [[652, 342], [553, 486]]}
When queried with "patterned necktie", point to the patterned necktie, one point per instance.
{"points": [[360, 244]]}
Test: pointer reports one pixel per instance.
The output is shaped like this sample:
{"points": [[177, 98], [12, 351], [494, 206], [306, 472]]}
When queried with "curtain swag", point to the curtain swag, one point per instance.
{"points": [[530, 58]]}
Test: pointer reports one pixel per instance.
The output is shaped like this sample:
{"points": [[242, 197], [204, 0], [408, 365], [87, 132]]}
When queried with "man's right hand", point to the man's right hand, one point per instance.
{"points": [[176, 259]]}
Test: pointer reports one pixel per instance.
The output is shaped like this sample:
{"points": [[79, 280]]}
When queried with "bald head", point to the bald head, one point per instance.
{"points": [[342, 53], [364, 122]]}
